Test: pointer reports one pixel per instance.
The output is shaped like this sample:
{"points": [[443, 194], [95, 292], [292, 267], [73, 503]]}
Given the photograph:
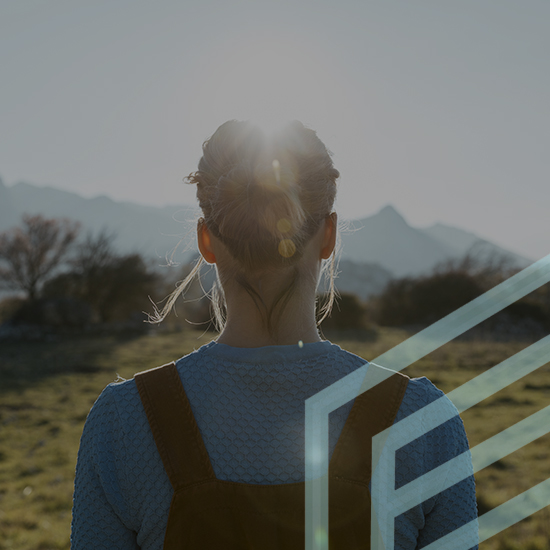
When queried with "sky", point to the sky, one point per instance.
{"points": [[438, 108]]}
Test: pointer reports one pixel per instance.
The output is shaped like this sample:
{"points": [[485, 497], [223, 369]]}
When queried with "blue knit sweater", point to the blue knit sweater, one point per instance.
{"points": [[249, 407]]}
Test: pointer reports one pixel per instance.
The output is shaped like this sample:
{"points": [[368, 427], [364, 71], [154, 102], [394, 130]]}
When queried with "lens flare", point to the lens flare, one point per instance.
{"points": [[284, 225], [287, 248], [277, 171], [321, 538]]}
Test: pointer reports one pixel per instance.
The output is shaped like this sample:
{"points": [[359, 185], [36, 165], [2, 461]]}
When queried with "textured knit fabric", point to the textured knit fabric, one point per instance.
{"points": [[249, 407]]}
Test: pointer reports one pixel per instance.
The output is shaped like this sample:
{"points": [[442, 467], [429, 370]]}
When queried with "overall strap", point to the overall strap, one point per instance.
{"points": [[174, 428], [373, 411]]}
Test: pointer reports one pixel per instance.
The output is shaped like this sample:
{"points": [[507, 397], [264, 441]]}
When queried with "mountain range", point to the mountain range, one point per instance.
{"points": [[387, 239], [374, 249]]}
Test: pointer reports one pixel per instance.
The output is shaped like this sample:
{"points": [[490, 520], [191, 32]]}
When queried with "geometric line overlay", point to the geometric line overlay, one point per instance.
{"points": [[517, 508], [319, 406], [389, 504]]}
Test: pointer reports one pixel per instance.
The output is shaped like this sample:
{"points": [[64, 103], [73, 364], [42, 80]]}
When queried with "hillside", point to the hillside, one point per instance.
{"points": [[150, 230], [385, 238], [374, 249]]}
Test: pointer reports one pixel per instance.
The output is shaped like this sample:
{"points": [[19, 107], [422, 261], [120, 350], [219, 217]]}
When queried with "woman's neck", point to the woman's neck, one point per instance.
{"points": [[246, 326], [245, 336]]}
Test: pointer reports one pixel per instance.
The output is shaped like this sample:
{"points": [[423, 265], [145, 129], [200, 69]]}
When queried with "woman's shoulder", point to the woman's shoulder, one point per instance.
{"points": [[118, 404], [117, 422], [424, 404], [123, 395], [420, 391], [423, 395], [121, 398], [423, 390], [120, 390]]}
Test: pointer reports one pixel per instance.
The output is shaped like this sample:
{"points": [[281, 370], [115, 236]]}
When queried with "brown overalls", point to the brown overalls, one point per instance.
{"points": [[207, 513]]}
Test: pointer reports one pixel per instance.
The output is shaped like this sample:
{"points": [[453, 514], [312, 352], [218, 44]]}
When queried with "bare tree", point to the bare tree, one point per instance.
{"points": [[31, 254], [115, 285], [94, 252]]}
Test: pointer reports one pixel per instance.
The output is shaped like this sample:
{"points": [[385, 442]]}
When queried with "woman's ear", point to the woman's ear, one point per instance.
{"points": [[205, 242], [329, 238]]}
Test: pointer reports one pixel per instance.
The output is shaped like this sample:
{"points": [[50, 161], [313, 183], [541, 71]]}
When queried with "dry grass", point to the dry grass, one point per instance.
{"points": [[47, 389]]}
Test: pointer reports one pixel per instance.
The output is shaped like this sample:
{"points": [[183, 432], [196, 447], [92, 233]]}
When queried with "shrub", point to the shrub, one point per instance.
{"points": [[348, 314], [427, 299]]}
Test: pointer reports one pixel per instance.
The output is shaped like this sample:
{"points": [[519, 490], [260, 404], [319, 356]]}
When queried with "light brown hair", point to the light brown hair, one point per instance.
{"points": [[263, 197]]}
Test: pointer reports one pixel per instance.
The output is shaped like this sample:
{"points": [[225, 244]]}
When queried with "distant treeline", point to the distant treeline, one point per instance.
{"points": [[418, 302], [66, 279]]}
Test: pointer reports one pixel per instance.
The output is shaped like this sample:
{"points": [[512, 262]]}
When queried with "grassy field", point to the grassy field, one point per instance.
{"points": [[47, 389]]}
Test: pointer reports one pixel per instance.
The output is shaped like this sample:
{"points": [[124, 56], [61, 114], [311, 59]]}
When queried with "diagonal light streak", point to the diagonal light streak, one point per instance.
{"points": [[468, 316], [396, 359], [502, 375], [496, 520], [484, 454], [520, 507]]}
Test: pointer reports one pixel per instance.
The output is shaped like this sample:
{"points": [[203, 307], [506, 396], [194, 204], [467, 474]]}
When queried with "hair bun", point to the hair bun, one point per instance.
{"points": [[258, 208], [258, 192]]}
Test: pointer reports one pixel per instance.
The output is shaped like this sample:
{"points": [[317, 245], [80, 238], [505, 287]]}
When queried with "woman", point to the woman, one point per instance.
{"points": [[216, 441]]}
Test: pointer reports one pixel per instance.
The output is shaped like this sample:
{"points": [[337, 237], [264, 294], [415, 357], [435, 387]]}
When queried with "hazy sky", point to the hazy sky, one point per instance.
{"points": [[439, 108]]}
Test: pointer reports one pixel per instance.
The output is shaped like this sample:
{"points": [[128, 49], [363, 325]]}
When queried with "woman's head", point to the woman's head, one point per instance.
{"points": [[264, 197]]}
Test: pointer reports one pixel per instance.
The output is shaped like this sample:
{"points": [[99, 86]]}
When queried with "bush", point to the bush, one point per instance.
{"points": [[54, 312], [347, 313], [421, 301], [115, 291], [9, 307], [348, 318], [425, 300]]}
